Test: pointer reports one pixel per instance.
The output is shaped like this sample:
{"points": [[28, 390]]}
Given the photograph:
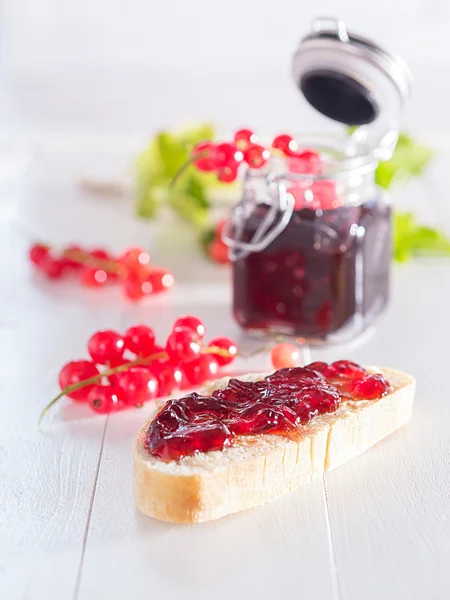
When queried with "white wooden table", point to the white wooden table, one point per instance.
{"points": [[378, 527]]}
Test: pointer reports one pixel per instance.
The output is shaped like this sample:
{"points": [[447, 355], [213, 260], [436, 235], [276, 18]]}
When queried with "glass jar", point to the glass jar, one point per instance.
{"points": [[311, 252], [310, 241]]}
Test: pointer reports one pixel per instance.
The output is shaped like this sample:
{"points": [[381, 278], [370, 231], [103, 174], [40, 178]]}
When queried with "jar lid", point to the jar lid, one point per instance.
{"points": [[350, 78]]}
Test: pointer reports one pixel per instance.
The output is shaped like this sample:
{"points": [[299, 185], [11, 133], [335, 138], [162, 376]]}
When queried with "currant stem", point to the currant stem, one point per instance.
{"points": [[84, 258], [95, 378], [185, 166]]}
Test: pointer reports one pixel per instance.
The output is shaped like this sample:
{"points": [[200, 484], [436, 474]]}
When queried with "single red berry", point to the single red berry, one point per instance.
{"points": [[218, 251], [227, 174], [53, 268], [91, 277], [38, 253], [371, 387], [133, 287], [74, 372], [244, 137], [256, 156], [312, 162], [182, 345], [285, 144], [285, 356], [225, 344], [160, 279], [207, 162], [138, 385], [140, 339], [134, 258], [106, 347], [201, 369], [227, 155], [116, 363], [169, 375], [104, 398], [192, 323]]}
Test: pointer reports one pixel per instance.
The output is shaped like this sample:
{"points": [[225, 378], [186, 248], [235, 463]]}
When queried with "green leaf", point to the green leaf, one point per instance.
{"points": [[411, 239], [157, 165], [408, 160], [188, 208], [194, 187], [173, 153], [206, 239], [149, 201]]}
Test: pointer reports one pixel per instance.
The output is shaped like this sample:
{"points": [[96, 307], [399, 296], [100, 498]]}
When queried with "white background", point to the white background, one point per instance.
{"points": [[115, 66]]}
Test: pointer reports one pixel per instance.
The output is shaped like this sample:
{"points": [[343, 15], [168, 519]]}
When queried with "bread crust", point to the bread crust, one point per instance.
{"points": [[261, 468]]}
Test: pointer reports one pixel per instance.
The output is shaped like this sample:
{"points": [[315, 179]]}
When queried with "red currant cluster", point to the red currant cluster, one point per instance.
{"points": [[136, 369], [96, 268], [226, 157]]}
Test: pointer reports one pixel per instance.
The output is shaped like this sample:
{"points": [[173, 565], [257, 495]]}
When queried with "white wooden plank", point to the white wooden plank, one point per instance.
{"points": [[46, 477], [256, 554], [390, 509]]}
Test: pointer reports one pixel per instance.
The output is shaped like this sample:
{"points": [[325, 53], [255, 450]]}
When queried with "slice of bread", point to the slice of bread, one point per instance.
{"points": [[260, 468]]}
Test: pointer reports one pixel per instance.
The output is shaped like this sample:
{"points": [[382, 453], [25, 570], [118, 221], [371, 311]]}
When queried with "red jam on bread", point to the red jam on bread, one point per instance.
{"points": [[276, 405]]}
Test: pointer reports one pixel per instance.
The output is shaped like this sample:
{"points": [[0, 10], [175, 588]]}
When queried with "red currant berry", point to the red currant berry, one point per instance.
{"points": [[225, 344], [140, 339], [170, 376], [38, 253], [134, 258], [285, 356], [311, 162], [53, 268], [244, 137], [138, 385], [182, 345], [285, 143], [192, 323], [201, 369], [227, 174], [91, 277], [256, 156], [106, 347], [207, 162], [113, 379], [74, 372], [134, 288], [227, 155], [104, 398], [160, 279], [371, 387], [218, 251]]}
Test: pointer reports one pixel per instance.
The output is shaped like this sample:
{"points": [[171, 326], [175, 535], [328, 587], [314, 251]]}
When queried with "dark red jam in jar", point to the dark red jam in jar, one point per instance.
{"points": [[324, 276], [277, 404]]}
